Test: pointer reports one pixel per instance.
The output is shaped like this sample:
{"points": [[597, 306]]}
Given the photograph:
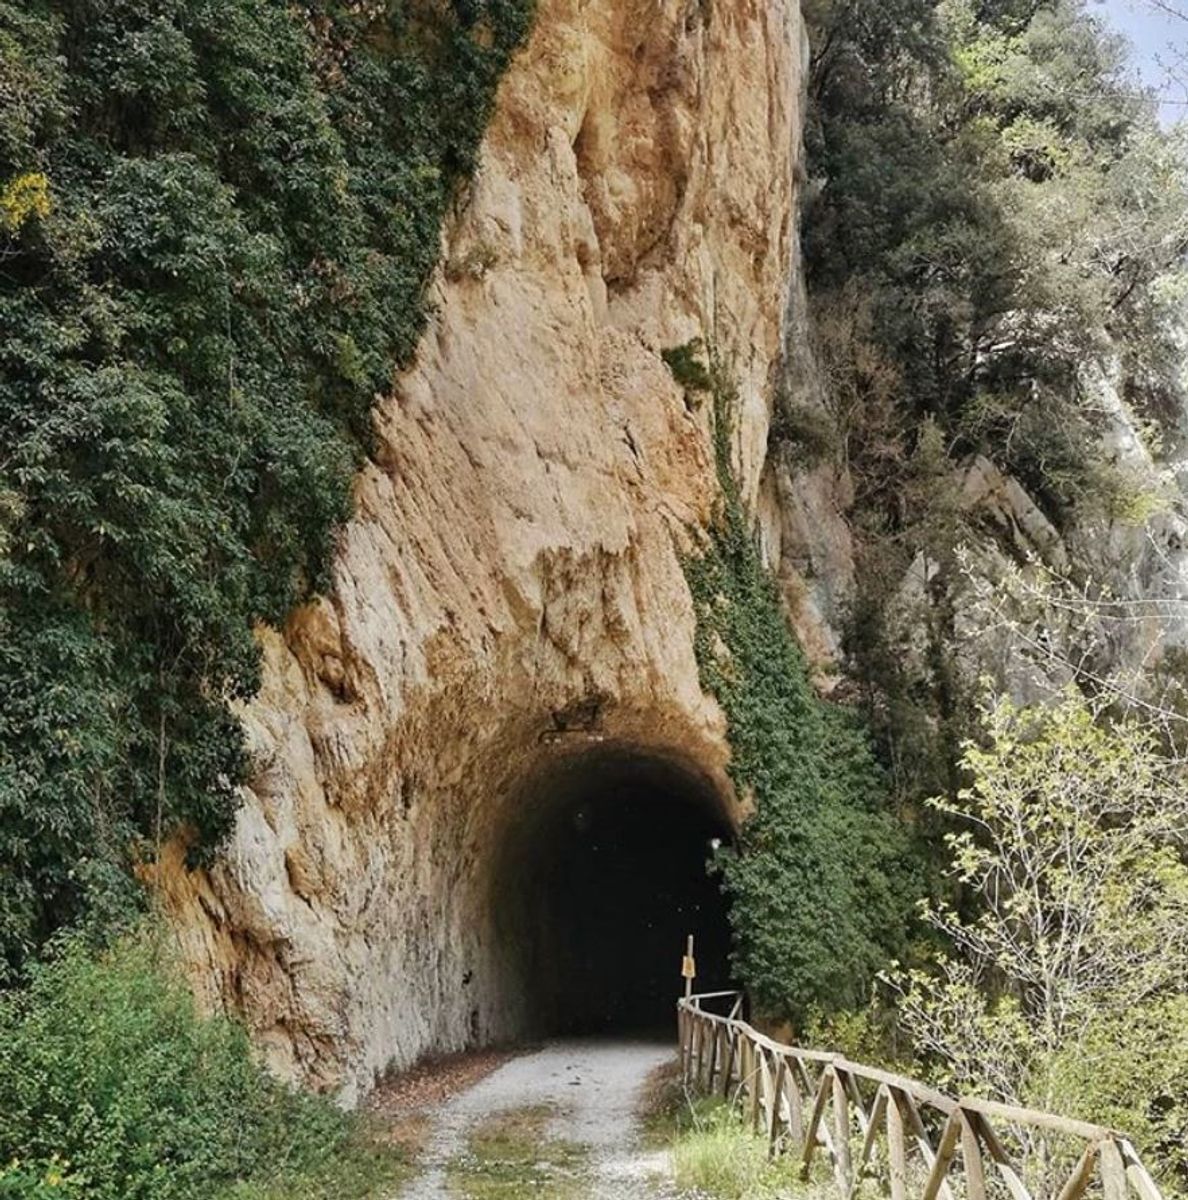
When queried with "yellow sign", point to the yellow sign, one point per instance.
{"points": [[688, 967]]}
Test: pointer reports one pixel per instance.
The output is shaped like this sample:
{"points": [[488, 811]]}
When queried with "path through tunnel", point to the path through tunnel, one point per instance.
{"points": [[604, 873]]}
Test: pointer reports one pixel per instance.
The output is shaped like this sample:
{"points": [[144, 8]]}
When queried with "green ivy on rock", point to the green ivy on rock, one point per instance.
{"points": [[217, 221], [821, 881]]}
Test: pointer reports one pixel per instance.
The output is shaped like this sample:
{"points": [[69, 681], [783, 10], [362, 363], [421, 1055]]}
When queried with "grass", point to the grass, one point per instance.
{"points": [[372, 1165], [713, 1153], [510, 1156], [720, 1157]]}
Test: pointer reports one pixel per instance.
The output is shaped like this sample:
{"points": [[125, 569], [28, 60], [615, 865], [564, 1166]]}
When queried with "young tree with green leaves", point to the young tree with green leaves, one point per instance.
{"points": [[1063, 984]]}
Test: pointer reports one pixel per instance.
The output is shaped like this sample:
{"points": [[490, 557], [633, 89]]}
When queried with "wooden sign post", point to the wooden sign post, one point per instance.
{"points": [[688, 967]]}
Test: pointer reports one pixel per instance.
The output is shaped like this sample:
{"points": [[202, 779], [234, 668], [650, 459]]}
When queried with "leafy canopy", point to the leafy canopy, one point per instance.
{"points": [[1064, 987]]}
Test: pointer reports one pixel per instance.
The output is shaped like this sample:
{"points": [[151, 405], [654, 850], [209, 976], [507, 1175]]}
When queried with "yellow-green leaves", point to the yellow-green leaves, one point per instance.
{"points": [[1071, 948], [24, 196]]}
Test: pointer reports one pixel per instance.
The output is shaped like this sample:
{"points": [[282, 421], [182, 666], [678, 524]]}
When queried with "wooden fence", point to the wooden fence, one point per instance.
{"points": [[901, 1135]]}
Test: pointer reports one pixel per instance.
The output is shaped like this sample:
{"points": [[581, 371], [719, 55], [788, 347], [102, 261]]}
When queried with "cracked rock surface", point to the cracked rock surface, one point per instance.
{"points": [[510, 586]]}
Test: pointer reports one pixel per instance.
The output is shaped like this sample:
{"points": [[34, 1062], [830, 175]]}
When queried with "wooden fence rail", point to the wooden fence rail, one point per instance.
{"points": [[904, 1136]]}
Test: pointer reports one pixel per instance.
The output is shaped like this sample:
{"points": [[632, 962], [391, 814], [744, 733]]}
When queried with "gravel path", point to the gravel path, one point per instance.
{"points": [[594, 1085]]}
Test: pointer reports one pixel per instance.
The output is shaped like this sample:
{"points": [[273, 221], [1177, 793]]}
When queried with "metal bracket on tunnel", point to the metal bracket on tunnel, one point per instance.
{"points": [[576, 722]]}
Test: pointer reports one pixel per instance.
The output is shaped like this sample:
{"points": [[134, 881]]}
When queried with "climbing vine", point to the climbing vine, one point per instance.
{"points": [[217, 220], [820, 881]]}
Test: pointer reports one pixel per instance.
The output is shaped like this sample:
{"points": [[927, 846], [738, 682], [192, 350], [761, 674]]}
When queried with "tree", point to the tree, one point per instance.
{"points": [[997, 223], [1064, 990]]}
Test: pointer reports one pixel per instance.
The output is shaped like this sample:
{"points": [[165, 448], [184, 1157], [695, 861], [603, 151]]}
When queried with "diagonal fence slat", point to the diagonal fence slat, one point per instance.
{"points": [[803, 1100], [813, 1134], [923, 1145], [1001, 1160], [971, 1159], [871, 1135], [1137, 1175], [945, 1149], [1078, 1181]]}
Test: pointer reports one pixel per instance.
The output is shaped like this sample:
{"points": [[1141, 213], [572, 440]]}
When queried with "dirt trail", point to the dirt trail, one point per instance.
{"points": [[594, 1087]]}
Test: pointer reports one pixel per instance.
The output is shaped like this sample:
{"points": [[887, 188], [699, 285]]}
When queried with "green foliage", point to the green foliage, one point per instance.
{"points": [[1130, 1071], [998, 220], [819, 882], [217, 219], [113, 1088], [687, 366], [1063, 987], [866, 1035]]}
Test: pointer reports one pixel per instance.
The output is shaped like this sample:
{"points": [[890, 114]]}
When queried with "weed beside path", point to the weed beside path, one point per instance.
{"points": [[713, 1154]]}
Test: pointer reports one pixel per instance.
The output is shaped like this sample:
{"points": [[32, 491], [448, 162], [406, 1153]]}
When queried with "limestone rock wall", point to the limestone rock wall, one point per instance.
{"points": [[513, 567]]}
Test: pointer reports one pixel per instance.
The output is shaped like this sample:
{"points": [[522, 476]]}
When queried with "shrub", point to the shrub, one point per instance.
{"points": [[113, 1088], [688, 369], [474, 263]]}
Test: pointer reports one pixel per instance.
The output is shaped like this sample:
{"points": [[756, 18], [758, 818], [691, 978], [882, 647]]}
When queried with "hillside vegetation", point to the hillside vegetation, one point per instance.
{"points": [[217, 220], [112, 1087], [994, 239]]}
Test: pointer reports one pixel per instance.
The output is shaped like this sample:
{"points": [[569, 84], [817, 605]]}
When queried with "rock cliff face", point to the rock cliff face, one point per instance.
{"points": [[509, 595]]}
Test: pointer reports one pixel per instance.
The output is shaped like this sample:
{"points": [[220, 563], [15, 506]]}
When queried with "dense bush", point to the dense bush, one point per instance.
{"points": [[820, 882], [685, 363], [112, 1088], [217, 218]]}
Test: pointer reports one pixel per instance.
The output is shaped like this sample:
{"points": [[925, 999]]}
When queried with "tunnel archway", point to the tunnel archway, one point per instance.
{"points": [[602, 874]]}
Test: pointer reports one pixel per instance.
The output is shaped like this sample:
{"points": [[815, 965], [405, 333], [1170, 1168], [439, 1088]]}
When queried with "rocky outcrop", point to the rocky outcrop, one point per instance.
{"points": [[509, 596], [1101, 599], [510, 589]]}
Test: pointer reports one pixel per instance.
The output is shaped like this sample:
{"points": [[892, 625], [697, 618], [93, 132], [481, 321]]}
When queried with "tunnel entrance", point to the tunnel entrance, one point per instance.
{"points": [[606, 875]]}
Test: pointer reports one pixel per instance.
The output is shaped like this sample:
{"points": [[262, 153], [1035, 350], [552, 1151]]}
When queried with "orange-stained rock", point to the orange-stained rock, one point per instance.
{"points": [[513, 566]]}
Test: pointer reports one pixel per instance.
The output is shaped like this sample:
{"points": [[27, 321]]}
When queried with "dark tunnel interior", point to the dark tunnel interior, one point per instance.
{"points": [[607, 875]]}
